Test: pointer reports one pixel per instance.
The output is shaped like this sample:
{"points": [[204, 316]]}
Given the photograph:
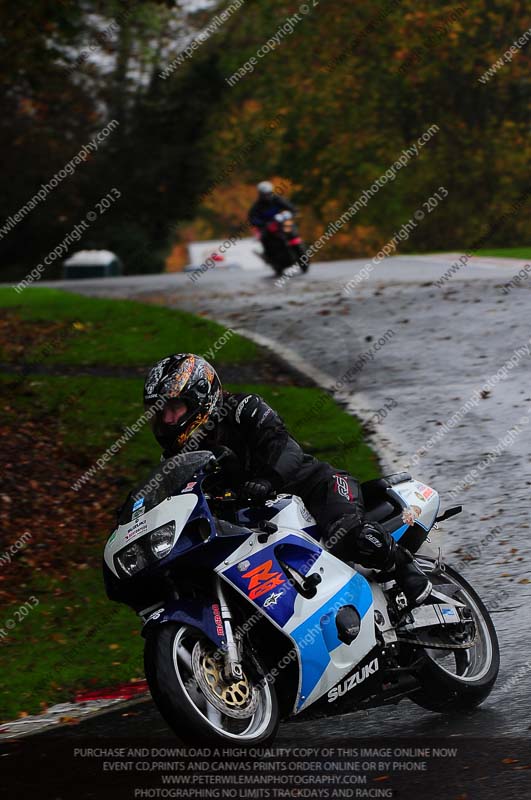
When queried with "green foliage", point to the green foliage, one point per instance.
{"points": [[56, 95], [353, 85], [357, 84]]}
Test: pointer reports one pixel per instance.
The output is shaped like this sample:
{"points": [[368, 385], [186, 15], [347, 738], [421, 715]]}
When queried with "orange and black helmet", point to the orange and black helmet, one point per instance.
{"points": [[185, 377]]}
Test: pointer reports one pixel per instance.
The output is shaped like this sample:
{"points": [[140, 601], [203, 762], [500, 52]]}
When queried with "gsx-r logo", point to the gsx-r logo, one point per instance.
{"points": [[353, 680]]}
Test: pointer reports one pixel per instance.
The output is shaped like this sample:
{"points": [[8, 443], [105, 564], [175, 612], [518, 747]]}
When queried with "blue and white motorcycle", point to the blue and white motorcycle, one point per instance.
{"points": [[249, 620]]}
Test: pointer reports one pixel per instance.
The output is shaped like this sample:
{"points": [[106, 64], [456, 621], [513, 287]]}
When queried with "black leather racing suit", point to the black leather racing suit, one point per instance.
{"points": [[265, 449]]}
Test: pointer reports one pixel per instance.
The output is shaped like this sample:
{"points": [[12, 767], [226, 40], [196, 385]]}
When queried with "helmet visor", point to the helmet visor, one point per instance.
{"points": [[174, 411]]}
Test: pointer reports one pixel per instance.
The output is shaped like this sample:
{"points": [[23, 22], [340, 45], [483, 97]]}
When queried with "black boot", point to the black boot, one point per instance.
{"points": [[370, 545], [410, 578]]}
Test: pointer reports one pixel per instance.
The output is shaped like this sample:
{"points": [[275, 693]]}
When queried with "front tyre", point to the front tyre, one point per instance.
{"points": [[301, 258], [187, 684], [459, 680]]}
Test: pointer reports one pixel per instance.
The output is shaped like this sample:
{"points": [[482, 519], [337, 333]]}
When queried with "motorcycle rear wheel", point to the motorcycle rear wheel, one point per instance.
{"points": [[189, 691], [460, 680]]}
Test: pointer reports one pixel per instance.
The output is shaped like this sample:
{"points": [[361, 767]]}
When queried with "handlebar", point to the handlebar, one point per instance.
{"points": [[222, 455]]}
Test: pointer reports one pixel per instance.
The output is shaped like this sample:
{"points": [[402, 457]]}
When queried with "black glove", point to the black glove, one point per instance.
{"points": [[257, 490], [367, 543], [376, 548]]}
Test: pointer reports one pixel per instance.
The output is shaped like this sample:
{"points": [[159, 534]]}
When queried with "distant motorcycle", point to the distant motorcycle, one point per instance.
{"points": [[284, 246], [248, 619]]}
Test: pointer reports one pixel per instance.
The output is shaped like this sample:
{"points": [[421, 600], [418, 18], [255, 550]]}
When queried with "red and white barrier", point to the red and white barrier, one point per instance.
{"points": [[84, 704]]}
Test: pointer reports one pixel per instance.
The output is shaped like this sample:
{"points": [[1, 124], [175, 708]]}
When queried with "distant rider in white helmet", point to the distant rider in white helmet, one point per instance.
{"points": [[263, 211]]}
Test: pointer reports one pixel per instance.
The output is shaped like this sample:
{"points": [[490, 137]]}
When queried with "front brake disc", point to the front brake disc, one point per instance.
{"points": [[235, 698]]}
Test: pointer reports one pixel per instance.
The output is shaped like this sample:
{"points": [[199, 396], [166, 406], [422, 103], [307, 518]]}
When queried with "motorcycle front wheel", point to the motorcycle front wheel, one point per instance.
{"points": [[461, 679], [185, 676], [298, 252]]}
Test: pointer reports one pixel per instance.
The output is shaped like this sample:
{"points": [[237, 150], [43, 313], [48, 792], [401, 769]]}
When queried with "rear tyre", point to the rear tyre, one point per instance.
{"points": [[459, 680], [188, 687]]}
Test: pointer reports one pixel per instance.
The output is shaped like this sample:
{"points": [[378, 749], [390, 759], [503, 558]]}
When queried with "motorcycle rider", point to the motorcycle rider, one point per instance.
{"points": [[189, 411], [263, 212]]}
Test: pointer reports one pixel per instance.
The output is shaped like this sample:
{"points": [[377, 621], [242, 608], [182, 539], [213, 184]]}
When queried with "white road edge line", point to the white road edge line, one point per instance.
{"points": [[39, 723]]}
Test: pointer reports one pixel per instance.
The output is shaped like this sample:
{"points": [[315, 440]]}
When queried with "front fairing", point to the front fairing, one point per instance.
{"points": [[168, 479], [172, 494], [178, 509]]}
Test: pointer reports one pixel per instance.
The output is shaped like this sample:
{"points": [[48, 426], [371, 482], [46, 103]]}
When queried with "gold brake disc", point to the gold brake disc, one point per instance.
{"points": [[234, 697]]}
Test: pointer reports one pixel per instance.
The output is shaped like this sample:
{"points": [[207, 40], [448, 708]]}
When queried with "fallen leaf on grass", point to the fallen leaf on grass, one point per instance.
{"points": [[31, 450]]}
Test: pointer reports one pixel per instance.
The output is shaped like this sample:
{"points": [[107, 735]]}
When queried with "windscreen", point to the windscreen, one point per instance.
{"points": [[166, 480]]}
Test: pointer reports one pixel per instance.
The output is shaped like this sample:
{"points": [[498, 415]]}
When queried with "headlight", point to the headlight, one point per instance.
{"points": [[146, 550], [132, 559], [162, 540]]}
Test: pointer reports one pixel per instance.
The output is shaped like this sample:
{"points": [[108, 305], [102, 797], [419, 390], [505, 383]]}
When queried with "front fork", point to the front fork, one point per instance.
{"points": [[233, 668]]}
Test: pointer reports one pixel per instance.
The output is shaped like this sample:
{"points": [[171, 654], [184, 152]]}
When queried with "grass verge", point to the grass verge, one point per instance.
{"points": [[506, 252], [89, 331]]}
